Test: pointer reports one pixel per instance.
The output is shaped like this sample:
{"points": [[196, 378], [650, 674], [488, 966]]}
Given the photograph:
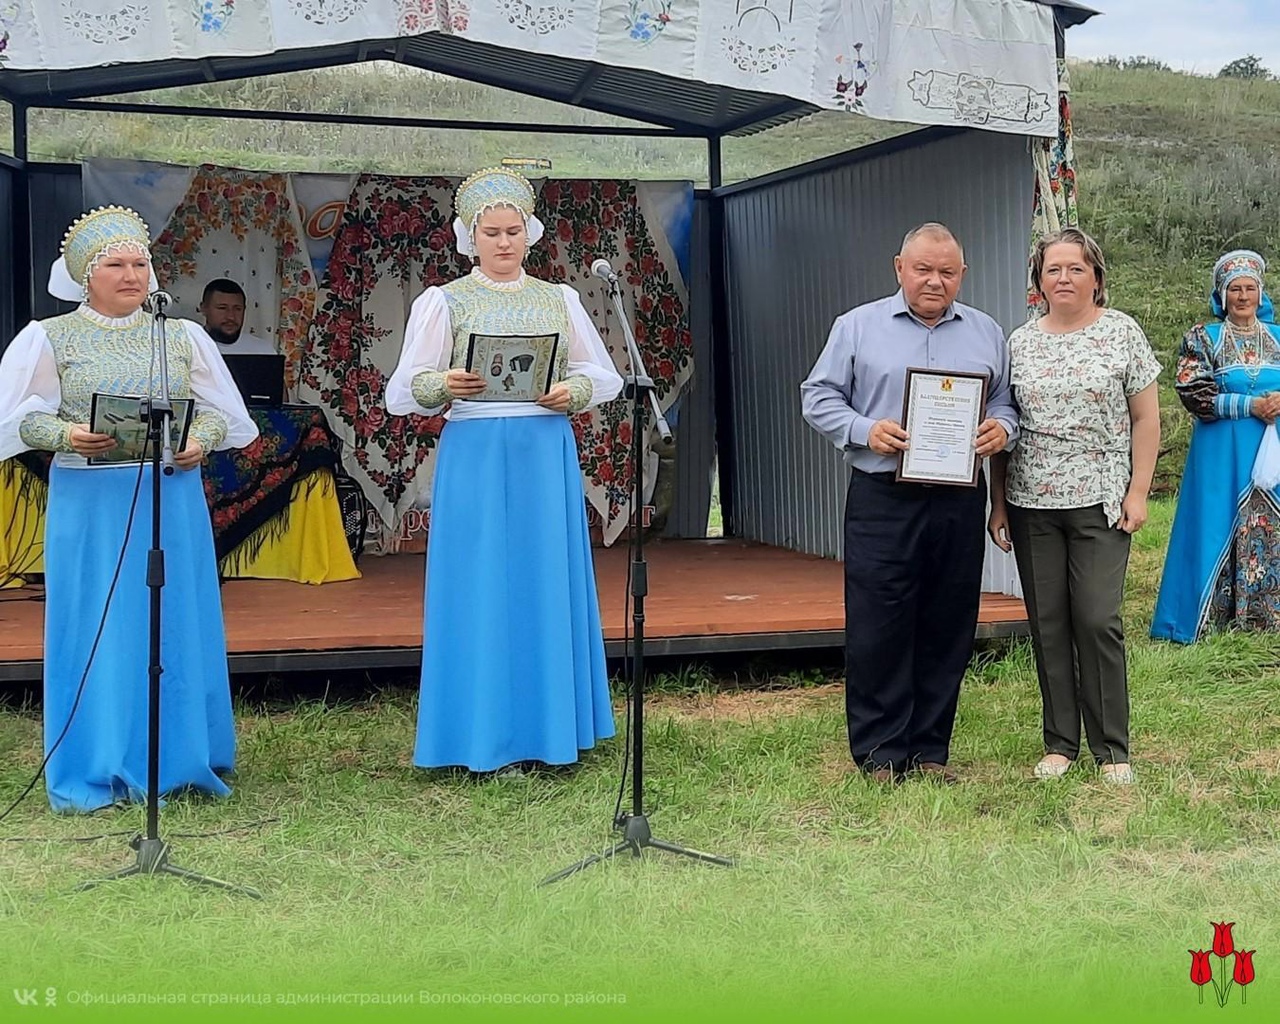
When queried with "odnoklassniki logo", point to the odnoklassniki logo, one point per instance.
{"points": [[1227, 976]]}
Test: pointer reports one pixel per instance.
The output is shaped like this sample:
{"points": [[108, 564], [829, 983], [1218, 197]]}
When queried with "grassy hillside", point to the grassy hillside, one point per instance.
{"points": [[383, 89], [1173, 169]]}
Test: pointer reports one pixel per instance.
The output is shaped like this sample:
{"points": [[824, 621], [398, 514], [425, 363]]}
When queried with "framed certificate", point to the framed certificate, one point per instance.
{"points": [[941, 412], [118, 417], [516, 367]]}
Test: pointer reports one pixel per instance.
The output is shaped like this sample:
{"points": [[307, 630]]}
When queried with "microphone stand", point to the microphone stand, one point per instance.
{"points": [[157, 412], [636, 833]]}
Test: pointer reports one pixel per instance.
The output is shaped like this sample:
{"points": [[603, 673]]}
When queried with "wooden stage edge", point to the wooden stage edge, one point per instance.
{"points": [[705, 597]]}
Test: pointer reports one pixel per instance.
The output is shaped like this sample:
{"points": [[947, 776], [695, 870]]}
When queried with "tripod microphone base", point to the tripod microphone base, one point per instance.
{"points": [[636, 835], [153, 859]]}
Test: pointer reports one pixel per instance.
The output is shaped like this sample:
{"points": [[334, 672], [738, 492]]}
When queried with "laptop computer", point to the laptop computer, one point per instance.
{"points": [[260, 378]]}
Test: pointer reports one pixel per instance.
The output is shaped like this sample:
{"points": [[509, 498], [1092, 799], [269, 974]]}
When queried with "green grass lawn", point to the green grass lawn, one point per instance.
{"points": [[1000, 898]]}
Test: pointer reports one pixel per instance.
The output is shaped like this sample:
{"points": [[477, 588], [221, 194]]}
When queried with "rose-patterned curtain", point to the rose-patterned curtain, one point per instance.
{"points": [[245, 226], [396, 240], [1055, 191]]}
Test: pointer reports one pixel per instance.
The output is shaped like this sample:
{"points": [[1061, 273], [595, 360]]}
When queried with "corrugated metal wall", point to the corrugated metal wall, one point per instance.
{"points": [[695, 424], [803, 249], [7, 326], [55, 202]]}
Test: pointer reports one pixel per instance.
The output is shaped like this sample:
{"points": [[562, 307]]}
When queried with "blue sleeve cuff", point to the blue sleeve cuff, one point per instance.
{"points": [[1232, 406], [1011, 428], [860, 430]]}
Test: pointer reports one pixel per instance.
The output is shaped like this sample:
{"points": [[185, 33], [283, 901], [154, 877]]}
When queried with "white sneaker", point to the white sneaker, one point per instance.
{"points": [[1118, 774], [1046, 769]]}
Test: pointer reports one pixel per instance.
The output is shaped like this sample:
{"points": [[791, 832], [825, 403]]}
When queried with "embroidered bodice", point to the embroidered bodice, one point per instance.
{"points": [[1221, 369], [112, 355], [480, 305]]}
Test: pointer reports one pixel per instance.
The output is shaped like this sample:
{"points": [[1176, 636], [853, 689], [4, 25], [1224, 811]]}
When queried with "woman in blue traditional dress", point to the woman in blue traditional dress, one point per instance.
{"points": [[1223, 564], [96, 690], [513, 665]]}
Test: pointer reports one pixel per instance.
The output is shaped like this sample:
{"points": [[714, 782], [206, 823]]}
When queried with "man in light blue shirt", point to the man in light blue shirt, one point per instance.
{"points": [[913, 553]]}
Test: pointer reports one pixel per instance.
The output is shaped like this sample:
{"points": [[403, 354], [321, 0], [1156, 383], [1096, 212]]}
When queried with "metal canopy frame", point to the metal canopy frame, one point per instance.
{"points": [[682, 108], [685, 108], [660, 105]]}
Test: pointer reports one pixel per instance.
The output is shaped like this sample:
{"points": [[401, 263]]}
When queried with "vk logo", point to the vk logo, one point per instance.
{"points": [[29, 997]]}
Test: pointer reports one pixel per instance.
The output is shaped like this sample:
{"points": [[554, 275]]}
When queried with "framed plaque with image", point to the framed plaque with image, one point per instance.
{"points": [[516, 367], [118, 416]]}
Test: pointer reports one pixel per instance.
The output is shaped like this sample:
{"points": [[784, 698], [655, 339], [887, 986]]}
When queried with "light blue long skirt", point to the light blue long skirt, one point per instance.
{"points": [[513, 664], [103, 757]]}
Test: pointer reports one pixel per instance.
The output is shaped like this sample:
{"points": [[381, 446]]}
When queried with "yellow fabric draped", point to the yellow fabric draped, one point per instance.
{"points": [[310, 548], [306, 544], [22, 504]]}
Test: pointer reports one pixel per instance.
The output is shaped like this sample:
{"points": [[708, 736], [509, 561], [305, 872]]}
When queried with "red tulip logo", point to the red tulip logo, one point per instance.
{"points": [[1243, 974], [1224, 945], [1201, 969]]}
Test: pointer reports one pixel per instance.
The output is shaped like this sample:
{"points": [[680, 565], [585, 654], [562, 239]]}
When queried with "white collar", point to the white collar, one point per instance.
{"points": [[502, 286], [134, 319]]}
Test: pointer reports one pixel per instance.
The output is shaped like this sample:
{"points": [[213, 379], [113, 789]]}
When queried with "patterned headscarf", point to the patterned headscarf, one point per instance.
{"points": [[486, 190], [1231, 267], [105, 231]]}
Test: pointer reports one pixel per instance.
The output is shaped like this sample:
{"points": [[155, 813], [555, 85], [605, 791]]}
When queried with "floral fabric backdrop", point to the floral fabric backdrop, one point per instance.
{"points": [[246, 226], [1055, 192], [396, 240]]}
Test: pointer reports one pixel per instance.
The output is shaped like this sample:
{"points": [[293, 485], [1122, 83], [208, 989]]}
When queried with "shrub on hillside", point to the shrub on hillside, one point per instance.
{"points": [[1248, 68], [1223, 198], [1141, 62]]}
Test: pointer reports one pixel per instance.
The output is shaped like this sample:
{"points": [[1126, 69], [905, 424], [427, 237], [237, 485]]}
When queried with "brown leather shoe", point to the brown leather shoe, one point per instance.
{"points": [[938, 772], [882, 775]]}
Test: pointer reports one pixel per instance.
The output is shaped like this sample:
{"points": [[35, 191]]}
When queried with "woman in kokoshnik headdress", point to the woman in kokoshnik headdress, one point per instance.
{"points": [[513, 666], [48, 376], [1223, 563]]}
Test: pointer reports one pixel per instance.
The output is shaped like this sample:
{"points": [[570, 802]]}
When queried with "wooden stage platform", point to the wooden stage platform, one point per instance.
{"points": [[705, 597]]}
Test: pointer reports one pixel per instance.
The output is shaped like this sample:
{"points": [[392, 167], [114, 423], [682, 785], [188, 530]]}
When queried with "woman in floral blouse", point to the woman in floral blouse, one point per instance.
{"points": [[1073, 491], [1223, 566]]}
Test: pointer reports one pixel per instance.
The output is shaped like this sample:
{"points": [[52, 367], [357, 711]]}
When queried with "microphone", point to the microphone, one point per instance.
{"points": [[602, 269], [157, 300], [638, 378]]}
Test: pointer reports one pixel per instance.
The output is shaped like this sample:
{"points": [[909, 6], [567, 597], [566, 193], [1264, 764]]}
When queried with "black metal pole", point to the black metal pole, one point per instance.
{"points": [[721, 354], [155, 581], [636, 833], [157, 412], [639, 588], [23, 251]]}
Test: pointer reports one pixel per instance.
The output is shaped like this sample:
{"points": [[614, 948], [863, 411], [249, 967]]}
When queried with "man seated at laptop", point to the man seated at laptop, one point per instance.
{"points": [[223, 310]]}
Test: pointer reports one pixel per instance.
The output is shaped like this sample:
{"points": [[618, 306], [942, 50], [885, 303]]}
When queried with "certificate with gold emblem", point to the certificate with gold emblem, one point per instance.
{"points": [[941, 412]]}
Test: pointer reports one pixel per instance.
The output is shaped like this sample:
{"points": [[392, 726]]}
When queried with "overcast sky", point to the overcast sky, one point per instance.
{"points": [[1189, 35]]}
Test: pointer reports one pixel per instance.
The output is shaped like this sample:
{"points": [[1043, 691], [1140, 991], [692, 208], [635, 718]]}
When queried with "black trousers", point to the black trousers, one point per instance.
{"points": [[1072, 567], [913, 575]]}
